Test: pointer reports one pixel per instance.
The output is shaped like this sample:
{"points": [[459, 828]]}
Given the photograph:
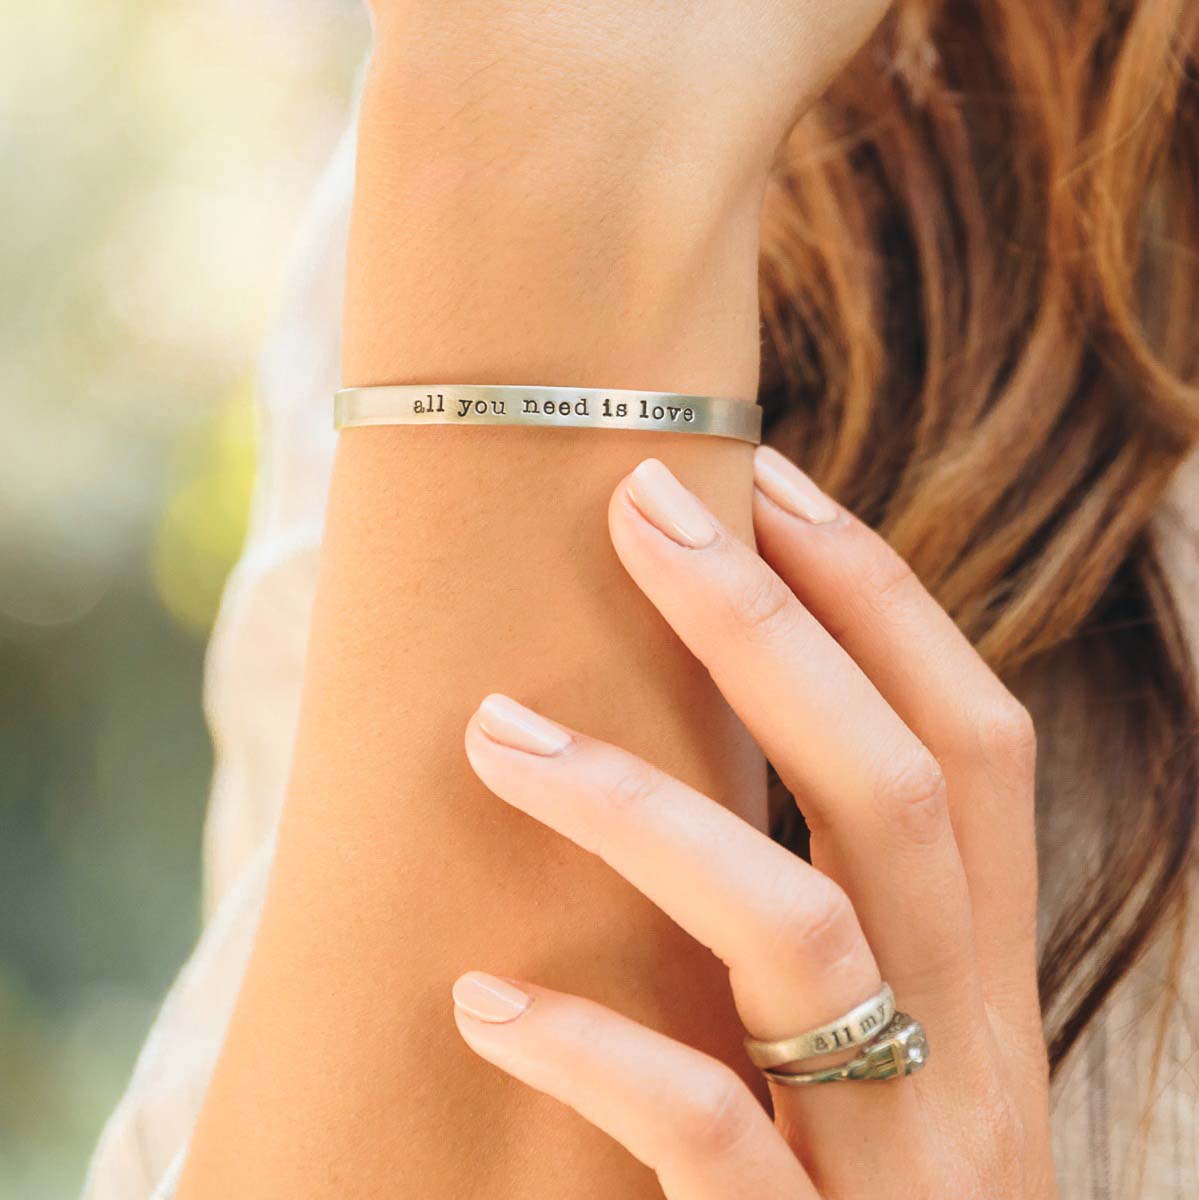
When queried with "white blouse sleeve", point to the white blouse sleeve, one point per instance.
{"points": [[143, 1142], [252, 683]]}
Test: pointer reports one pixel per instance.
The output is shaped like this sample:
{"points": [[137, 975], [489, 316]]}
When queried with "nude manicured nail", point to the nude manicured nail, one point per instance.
{"points": [[513, 725], [784, 483], [670, 507], [489, 999]]}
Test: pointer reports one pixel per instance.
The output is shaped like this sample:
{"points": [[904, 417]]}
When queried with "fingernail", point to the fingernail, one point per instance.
{"points": [[667, 505], [784, 483], [489, 999], [513, 725]]}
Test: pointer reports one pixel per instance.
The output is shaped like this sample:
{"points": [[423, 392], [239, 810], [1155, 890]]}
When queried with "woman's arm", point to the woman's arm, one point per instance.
{"points": [[536, 203]]}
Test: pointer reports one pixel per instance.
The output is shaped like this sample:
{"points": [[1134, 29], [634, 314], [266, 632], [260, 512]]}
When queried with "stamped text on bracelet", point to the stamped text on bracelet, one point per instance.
{"points": [[554, 407]]}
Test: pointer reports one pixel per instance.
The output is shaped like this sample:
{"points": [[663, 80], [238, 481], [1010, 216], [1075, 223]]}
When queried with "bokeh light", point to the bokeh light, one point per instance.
{"points": [[157, 156]]}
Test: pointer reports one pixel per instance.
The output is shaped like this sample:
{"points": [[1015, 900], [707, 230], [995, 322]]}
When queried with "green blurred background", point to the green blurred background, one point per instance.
{"points": [[157, 155]]}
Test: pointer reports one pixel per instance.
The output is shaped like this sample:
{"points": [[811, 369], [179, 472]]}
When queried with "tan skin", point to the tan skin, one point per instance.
{"points": [[575, 191]]}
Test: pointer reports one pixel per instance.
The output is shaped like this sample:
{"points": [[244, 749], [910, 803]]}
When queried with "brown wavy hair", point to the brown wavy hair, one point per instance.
{"points": [[980, 296]]}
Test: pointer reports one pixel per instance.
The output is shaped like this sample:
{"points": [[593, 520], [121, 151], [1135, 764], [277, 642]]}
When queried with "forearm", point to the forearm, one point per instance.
{"points": [[460, 561], [585, 243]]}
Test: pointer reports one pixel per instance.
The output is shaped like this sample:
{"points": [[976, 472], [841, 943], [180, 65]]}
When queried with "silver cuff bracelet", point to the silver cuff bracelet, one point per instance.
{"points": [[547, 407]]}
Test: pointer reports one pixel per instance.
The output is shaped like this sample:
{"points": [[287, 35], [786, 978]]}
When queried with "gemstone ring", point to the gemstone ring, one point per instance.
{"points": [[898, 1050]]}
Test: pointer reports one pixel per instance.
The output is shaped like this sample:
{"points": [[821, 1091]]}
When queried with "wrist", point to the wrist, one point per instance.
{"points": [[565, 247], [613, 84]]}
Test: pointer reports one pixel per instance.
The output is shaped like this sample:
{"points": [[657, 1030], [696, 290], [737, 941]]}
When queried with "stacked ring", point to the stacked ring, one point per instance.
{"points": [[857, 1026], [894, 1045], [899, 1050]]}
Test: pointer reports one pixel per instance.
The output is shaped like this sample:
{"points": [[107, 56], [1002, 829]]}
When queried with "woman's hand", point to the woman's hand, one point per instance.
{"points": [[914, 768]]}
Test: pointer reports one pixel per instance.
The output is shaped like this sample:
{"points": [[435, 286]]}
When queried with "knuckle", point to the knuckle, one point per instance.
{"points": [[716, 1113], [817, 926], [888, 578], [763, 606], [912, 794], [632, 787], [1008, 736], [583, 1023]]}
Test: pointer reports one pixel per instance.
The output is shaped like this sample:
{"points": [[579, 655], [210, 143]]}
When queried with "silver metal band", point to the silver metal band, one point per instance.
{"points": [[858, 1025], [552, 407], [900, 1049]]}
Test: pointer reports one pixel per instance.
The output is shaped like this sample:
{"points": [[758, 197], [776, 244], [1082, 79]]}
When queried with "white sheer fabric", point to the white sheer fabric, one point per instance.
{"points": [[253, 681]]}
